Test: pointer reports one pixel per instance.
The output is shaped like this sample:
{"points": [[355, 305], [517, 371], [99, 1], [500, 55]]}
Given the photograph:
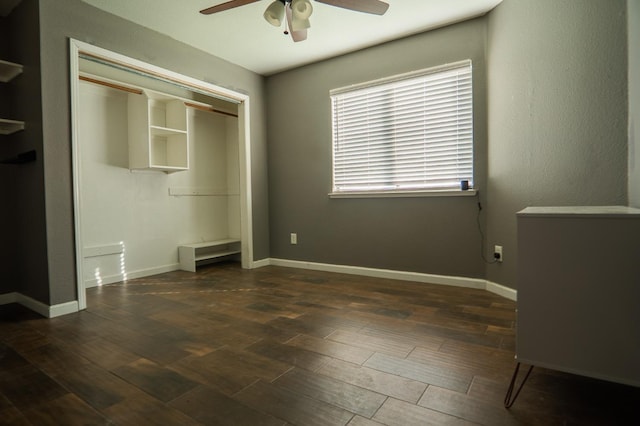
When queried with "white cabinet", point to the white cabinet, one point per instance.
{"points": [[8, 71], [578, 291], [158, 132]]}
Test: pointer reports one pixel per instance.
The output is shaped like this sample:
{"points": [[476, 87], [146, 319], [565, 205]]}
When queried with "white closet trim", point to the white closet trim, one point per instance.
{"points": [[81, 49]]}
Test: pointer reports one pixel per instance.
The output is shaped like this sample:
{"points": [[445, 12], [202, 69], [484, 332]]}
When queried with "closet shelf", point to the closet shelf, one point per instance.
{"points": [[9, 70], [10, 126], [193, 255]]}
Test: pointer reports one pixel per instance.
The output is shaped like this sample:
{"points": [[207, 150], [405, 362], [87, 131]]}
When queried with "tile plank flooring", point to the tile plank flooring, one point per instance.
{"points": [[280, 346]]}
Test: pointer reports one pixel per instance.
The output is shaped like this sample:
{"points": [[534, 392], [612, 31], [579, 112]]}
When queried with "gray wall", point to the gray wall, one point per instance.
{"points": [[6, 175], [557, 90], [554, 84], [73, 18], [26, 257], [634, 102], [4, 54], [430, 235], [556, 105]]}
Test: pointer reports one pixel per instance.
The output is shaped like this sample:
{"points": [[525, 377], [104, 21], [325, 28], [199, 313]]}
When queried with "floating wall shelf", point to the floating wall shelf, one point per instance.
{"points": [[9, 70], [24, 157], [10, 126]]}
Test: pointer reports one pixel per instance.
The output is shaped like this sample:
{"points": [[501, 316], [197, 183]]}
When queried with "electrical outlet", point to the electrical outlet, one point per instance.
{"points": [[497, 253], [294, 238]]}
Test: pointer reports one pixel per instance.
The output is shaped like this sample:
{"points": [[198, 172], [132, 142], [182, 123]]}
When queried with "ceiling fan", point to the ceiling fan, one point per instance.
{"points": [[298, 12]]}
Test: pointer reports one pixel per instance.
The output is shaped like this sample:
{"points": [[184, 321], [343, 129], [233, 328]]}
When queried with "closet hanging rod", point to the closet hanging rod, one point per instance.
{"points": [[210, 109], [157, 76], [111, 85], [139, 92]]}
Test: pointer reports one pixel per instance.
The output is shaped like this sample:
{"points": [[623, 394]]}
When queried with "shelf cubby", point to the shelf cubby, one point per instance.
{"points": [[158, 132], [9, 71]]}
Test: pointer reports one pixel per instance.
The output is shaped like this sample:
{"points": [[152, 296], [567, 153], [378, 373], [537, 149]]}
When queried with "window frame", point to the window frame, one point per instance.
{"points": [[405, 192]]}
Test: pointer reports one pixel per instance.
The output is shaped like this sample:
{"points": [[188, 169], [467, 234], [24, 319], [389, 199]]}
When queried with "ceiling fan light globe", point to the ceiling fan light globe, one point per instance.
{"points": [[300, 24], [274, 13], [302, 9]]}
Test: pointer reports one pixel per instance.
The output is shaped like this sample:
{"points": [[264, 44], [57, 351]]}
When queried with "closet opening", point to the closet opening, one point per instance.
{"points": [[161, 170]]}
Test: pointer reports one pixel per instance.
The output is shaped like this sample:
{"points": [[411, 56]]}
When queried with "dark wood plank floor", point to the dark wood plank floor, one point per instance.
{"points": [[278, 346]]}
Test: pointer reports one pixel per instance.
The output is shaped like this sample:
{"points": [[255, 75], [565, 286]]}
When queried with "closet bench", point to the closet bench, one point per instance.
{"points": [[192, 255]]}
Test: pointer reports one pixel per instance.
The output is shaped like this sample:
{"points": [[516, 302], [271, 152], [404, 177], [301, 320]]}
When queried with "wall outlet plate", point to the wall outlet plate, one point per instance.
{"points": [[294, 238], [497, 253]]}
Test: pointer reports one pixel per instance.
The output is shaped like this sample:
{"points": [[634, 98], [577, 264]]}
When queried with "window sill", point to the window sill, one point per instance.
{"points": [[404, 194]]}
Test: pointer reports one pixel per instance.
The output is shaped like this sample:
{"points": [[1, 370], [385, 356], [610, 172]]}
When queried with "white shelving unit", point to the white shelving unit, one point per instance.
{"points": [[8, 71], [158, 132], [192, 255]]}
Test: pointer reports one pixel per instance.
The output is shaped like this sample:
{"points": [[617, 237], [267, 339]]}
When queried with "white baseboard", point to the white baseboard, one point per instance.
{"points": [[260, 263], [503, 291], [33, 304], [397, 275], [63, 309], [8, 298], [39, 307], [116, 278], [70, 307]]}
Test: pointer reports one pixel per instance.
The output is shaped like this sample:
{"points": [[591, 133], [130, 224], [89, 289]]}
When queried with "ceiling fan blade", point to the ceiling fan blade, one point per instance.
{"points": [[226, 6], [300, 35], [375, 7]]}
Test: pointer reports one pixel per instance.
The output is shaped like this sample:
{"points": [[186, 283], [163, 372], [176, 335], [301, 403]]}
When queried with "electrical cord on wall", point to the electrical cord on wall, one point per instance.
{"points": [[489, 262]]}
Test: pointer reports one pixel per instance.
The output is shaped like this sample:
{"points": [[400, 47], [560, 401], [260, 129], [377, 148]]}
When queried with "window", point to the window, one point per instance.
{"points": [[412, 132]]}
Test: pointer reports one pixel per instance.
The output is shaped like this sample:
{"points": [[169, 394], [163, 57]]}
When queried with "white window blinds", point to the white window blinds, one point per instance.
{"points": [[407, 133]]}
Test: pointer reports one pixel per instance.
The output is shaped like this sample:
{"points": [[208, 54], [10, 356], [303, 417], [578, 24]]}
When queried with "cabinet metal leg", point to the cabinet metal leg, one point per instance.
{"points": [[510, 397]]}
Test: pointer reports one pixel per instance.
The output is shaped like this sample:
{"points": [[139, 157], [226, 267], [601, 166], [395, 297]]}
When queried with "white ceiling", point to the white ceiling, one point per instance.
{"points": [[243, 37]]}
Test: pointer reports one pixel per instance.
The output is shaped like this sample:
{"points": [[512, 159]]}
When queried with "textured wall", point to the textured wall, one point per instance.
{"points": [[557, 91], [27, 254], [4, 36], [430, 235], [634, 102], [4, 55], [73, 18], [7, 218]]}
